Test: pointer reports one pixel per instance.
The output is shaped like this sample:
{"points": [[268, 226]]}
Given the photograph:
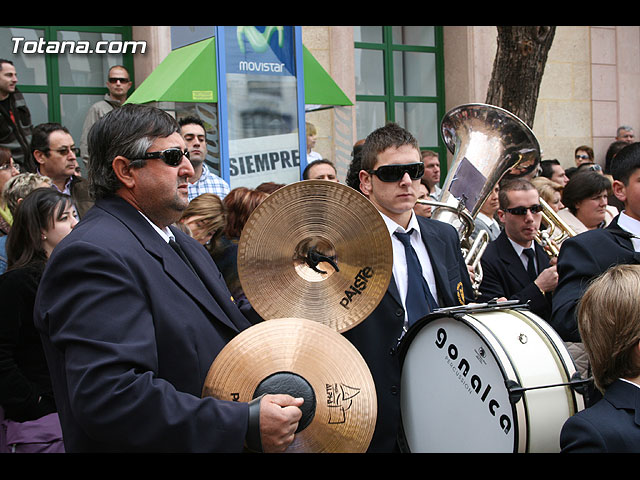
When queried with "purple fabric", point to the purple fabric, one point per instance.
{"points": [[43, 435]]}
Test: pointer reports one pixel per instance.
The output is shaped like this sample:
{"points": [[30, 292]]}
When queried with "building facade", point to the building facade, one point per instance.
{"points": [[408, 74]]}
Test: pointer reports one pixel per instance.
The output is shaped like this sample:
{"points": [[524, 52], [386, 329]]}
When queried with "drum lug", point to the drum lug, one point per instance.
{"points": [[515, 391]]}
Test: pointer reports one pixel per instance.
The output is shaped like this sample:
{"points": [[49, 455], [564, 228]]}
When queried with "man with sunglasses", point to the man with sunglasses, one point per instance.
{"points": [[514, 265], [118, 83], [391, 170], [132, 311], [56, 156]]}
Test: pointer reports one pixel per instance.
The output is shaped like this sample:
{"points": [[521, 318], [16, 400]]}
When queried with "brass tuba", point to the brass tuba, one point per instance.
{"points": [[488, 143]]}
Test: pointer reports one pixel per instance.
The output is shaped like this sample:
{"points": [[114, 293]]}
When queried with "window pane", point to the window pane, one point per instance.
{"points": [[30, 67], [87, 70], [421, 119], [414, 35], [73, 109], [367, 33], [369, 70], [38, 107], [414, 74], [369, 116]]}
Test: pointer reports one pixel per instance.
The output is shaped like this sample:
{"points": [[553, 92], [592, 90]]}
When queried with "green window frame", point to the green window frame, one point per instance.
{"points": [[393, 101]]}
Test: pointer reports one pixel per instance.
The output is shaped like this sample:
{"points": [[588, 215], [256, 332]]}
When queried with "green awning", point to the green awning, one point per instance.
{"points": [[188, 74]]}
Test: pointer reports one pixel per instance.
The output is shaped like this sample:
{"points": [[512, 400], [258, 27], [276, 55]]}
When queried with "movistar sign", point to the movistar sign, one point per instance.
{"points": [[267, 50]]}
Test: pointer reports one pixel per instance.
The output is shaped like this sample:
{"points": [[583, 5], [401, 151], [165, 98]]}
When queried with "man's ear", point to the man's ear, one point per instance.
{"points": [[39, 156], [619, 190], [122, 168], [365, 182]]}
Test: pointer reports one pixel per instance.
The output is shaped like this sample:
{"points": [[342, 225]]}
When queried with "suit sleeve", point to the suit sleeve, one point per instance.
{"points": [[103, 327], [577, 265]]}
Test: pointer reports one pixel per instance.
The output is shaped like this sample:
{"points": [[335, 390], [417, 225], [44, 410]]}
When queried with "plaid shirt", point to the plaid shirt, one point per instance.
{"points": [[208, 183]]}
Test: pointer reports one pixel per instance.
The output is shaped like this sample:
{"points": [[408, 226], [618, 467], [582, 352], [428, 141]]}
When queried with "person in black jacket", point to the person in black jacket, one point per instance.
{"points": [[505, 263], [609, 325], [391, 170], [15, 118]]}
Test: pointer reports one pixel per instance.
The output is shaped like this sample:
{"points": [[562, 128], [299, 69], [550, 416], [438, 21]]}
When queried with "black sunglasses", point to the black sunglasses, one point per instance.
{"points": [[523, 210], [170, 156], [394, 173], [117, 79]]}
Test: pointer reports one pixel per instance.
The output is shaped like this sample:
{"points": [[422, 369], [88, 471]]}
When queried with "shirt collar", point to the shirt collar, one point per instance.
{"points": [[165, 233], [519, 248], [393, 227], [629, 224]]}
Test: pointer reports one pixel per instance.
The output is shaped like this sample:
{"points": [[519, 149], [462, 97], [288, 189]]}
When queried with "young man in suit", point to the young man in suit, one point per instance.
{"points": [[507, 271], [390, 173], [130, 326], [609, 326]]}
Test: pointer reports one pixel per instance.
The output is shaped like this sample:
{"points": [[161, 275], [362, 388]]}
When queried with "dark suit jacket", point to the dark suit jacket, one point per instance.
{"points": [[503, 275], [610, 426], [376, 338], [581, 259], [130, 332]]}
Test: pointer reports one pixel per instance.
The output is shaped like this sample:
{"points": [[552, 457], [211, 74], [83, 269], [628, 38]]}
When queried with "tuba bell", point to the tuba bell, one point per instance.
{"points": [[488, 143]]}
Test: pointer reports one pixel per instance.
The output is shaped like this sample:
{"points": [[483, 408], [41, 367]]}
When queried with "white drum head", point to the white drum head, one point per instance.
{"points": [[454, 397]]}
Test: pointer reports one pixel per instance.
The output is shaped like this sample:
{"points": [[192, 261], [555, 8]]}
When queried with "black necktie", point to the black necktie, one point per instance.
{"points": [[531, 266], [419, 301], [180, 252]]}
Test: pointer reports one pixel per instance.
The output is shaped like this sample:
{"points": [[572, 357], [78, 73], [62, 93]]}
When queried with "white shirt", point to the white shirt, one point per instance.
{"points": [[632, 226], [399, 259], [165, 233]]}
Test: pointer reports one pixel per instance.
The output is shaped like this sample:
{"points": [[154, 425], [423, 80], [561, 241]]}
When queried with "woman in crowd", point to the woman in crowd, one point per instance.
{"points": [[41, 221], [585, 201], [550, 192], [13, 191], [8, 169], [205, 218], [239, 204]]}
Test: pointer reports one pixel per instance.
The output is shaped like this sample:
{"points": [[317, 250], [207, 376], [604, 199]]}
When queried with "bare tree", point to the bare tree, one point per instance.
{"points": [[520, 60]]}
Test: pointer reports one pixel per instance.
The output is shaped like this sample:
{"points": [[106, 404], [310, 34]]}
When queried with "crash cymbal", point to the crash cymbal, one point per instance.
{"points": [[318, 250], [316, 363]]}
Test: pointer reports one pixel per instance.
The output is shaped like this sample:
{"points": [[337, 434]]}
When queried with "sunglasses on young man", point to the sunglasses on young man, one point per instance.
{"points": [[118, 79], [523, 210], [170, 156], [394, 173]]}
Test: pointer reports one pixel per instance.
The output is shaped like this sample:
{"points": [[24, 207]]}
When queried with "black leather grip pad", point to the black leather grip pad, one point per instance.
{"points": [[294, 385]]}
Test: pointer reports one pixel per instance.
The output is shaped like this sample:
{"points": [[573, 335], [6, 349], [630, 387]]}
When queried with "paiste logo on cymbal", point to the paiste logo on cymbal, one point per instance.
{"points": [[357, 287], [339, 400]]}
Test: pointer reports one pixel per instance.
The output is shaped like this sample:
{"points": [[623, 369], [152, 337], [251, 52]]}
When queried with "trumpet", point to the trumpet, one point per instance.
{"points": [[553, 231]]}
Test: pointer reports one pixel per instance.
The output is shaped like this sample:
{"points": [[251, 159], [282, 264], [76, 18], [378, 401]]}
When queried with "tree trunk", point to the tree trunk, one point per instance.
{"points": [[518, 68]]}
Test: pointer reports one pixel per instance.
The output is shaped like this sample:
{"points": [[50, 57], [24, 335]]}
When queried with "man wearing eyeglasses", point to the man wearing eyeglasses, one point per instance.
{"points": [[56, 155], [515, 266], [429, 271], [118, 83], [132, 311]]}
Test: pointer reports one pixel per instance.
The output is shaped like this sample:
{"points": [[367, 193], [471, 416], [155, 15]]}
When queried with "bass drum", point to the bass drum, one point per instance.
{"points": [[486, 380]]}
